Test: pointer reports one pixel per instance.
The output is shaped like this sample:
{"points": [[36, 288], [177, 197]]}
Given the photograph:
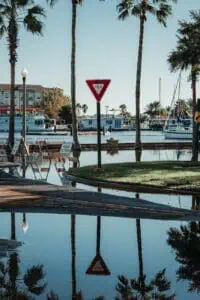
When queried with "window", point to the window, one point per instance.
{"points": [[108, 122], [90, 122], [38, 122]]}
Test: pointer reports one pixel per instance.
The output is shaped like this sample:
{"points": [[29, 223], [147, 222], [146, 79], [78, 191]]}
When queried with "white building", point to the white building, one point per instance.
{"points": [[34, 94]]}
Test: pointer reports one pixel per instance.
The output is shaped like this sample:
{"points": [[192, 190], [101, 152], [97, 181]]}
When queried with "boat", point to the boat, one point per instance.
{"points": [[34, 123], [178, 129], [179, 124]]}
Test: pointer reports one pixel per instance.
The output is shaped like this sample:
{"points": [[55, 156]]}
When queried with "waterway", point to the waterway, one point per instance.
{"points": [[64, 246]]}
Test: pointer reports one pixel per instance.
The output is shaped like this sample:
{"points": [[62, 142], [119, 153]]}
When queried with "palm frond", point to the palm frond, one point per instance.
{"points": [[124, 9], [32, 280]]}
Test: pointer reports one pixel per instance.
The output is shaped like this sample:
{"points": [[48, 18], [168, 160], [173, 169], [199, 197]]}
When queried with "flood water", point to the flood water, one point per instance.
{"points": [[64, 246]]}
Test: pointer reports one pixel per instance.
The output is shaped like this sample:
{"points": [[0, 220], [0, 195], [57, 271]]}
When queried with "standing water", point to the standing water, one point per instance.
{"points": [[58, 251]]}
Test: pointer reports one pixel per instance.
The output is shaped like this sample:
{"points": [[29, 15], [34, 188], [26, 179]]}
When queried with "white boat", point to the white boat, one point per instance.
{"points": [[178, 130], [34, 123]]}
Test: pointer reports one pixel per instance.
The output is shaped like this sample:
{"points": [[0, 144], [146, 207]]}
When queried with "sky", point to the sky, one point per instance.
{"points": [[106, 49]]}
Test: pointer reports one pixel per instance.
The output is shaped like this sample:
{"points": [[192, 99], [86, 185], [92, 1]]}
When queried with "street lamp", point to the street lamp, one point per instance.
{"points": [[24, 74]]}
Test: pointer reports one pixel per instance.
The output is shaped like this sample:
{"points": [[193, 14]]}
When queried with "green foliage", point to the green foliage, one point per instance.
{"points": [[187, 52], [52, 102], [153, 109], [65, 113], [161, 9]]}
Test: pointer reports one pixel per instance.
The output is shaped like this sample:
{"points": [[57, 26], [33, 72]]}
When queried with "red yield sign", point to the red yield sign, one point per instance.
{"points": [[98, 87]]}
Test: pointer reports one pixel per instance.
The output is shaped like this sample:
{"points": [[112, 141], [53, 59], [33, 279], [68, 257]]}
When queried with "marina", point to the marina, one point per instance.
{"points": [[99, 150]]}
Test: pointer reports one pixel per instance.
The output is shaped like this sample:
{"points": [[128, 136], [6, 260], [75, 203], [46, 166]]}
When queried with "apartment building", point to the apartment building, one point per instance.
{"points": [[34, 94]]}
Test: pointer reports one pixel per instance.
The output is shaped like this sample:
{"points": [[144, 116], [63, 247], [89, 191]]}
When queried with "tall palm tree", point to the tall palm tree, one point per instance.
{"points": [[187, 56], [140, 9], [76, 144], [13, 13]]}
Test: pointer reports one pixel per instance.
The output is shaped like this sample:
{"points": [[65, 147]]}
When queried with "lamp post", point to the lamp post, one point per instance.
{"points": [[24, 74]]}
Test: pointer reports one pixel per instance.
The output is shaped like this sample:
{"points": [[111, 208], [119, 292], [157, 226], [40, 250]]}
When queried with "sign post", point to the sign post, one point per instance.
{"points": [[98, 88]]}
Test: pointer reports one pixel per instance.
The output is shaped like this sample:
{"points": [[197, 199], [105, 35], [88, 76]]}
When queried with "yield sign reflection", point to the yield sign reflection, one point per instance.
{"points": [[98, 87]]}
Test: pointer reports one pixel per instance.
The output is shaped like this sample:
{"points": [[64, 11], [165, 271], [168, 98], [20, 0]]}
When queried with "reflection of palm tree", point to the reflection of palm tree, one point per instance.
{"points": [[185, 241], [138, 289], [73, 248], [75, 295], [195, 202], [11, 283], [13, 229]]}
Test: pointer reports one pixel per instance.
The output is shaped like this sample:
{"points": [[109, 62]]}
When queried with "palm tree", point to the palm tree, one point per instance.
{"points": [[140, 8], [187, 56], [123, 109], [153, 109], [84, 108], [13, 13]]}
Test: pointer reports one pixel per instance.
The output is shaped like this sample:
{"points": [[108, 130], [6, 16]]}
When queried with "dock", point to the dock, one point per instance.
{"points": [[56, 146], [27, 195]]}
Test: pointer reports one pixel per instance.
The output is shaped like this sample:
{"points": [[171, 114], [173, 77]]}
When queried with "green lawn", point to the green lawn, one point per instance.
{"points": [[168, 174]]}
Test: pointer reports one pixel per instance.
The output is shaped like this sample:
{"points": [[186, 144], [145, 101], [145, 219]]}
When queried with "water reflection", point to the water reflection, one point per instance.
{"points": [[14, 285], [195, 202], [25, 225], [98, 265], [138, 288], [185, 241], [157, 288]]}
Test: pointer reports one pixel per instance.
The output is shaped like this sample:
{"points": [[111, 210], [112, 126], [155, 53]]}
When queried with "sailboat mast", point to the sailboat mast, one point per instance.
{"points": [[159, 90]]}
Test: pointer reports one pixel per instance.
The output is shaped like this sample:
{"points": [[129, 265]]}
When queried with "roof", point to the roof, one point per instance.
{"points": [[38, 88]]}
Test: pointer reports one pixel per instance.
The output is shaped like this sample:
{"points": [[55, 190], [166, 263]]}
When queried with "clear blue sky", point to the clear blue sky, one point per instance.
{"points": [[106, 48]]}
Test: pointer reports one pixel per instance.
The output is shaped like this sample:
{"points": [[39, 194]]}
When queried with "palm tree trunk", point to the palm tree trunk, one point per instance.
{"points": [[138, 80], [11, 138], [195, 133], [12, 42], [76, 145]]}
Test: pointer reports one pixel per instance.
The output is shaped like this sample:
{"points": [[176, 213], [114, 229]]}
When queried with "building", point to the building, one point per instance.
{"points": [[34, 94]]}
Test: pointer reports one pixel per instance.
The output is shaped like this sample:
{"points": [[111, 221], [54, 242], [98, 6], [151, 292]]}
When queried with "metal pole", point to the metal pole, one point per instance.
{"points": [[24, 110], [99, 134]]}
